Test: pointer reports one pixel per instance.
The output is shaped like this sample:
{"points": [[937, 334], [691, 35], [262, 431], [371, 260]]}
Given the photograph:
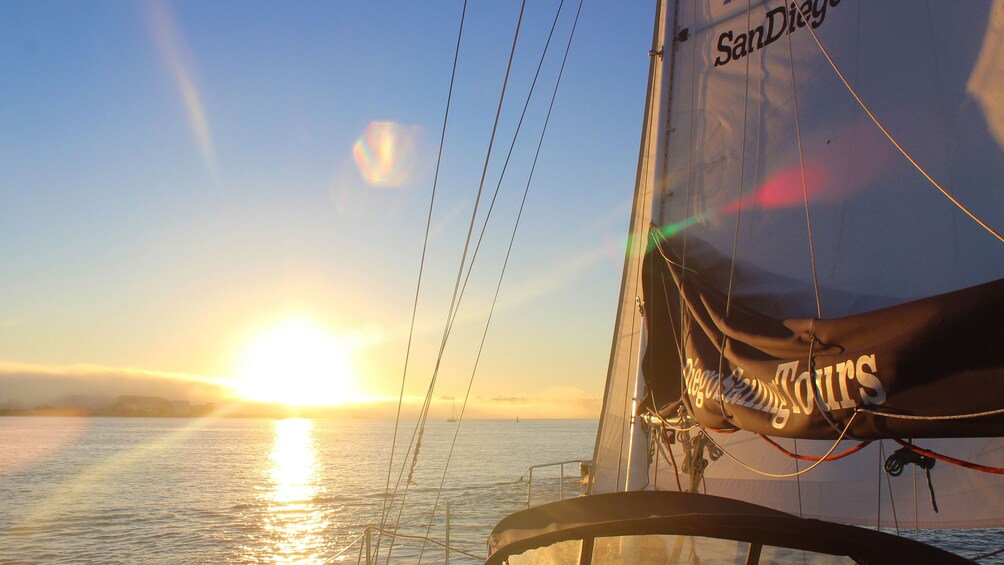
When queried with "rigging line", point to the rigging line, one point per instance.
{"points": [[796, 456], [512, 239], [798, 478], [421, 270], [916, 514], [817, 394], [991, 554], [505, 165], [801, 169], [735, 239], [878, 498], [889, 484], [420, 425], [666, 257], [892, 139], [787, 475], [932, 418], [690, 178], [608, 409], [672, 458], [888, 480], [414, 537], [352, 544]]}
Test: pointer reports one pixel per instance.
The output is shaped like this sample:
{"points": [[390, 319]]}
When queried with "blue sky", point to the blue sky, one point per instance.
{"points": [[177, 176]]}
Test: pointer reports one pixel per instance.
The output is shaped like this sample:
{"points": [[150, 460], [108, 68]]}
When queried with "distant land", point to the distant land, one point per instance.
{"points": [[125, 405]]}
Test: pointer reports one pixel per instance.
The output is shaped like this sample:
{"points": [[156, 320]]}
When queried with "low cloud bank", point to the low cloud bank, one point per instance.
{"points": [[28, 386]]}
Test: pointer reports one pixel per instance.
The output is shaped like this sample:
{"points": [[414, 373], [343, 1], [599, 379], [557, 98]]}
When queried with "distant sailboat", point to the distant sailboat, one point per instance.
{"points": [[453, 418]]}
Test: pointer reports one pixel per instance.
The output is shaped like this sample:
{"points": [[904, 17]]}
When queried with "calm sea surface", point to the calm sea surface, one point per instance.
{"points": [[100, 490]]}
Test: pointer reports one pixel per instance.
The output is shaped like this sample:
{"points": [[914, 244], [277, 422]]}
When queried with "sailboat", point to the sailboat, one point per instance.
{"points": [[809, 330], [453, 417]]}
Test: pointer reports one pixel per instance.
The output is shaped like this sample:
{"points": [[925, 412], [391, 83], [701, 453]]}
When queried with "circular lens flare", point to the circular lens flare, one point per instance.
{"points": [[386, 154]]}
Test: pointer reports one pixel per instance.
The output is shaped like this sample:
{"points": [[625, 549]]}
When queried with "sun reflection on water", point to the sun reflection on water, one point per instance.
{"points": [[294, 520]]}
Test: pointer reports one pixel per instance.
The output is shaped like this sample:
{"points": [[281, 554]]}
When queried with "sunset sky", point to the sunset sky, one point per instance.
{"points": [[225, 195]]}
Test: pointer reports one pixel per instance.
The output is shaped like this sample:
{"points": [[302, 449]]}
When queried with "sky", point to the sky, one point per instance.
{"points": [[182, 180]]}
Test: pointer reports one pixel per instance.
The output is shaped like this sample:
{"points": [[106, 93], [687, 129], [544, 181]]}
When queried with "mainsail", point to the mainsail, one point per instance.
{"points": [[824, 183]]}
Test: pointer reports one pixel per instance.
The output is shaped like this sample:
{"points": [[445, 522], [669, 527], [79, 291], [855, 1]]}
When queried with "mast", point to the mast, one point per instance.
{"points": [[620, 436]]}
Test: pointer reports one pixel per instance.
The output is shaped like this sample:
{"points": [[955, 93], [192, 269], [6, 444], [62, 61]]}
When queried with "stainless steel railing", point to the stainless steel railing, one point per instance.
{"points": [[561, 476]]}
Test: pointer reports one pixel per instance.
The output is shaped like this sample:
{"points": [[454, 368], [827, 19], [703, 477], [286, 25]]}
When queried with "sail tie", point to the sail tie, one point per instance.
{"points": [[951, 460], [904, 456]]}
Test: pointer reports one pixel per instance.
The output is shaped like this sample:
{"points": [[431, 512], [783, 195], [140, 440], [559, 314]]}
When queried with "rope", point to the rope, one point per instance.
{"points": [[798, 479], [512, 239], [454, 301], [878, 484], [672, 458], [888, 480], [797, 473], [840, 455], [991, 554], [951, 460], [384, 512], [814, 381], [932, 418], [346, 548], [739, 210], [801, 168], [400, 535], [889, 136], [690, 179]]}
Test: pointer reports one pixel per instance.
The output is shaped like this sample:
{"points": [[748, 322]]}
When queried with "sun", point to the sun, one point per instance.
{"points": [[296, 363]]}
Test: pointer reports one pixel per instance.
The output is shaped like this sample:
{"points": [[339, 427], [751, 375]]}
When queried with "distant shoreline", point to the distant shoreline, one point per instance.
{"points": [[70, 413]]}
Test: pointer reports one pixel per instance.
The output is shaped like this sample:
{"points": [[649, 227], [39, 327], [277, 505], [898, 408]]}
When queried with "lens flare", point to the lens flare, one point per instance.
{"points": [[386, 154], [171, 47]]}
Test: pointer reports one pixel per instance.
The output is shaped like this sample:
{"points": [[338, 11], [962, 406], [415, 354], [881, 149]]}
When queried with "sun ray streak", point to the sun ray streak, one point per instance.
{"points": [[170, 46]]}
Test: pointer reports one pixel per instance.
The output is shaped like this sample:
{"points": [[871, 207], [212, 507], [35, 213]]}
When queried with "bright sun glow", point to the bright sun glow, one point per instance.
{"points": [[297, 363]]}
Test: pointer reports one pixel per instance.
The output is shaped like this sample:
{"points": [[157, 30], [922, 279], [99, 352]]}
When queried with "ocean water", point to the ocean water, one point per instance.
{"points": [[138, 490], [144, 490]]}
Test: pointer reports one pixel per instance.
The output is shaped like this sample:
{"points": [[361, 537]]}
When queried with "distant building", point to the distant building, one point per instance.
{"points": [[84, 402], [181, 408], [140, 406], [203, 409]]}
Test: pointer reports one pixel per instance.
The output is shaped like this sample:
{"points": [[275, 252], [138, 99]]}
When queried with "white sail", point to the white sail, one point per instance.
{"points": [[930, 71], [783, 192]]}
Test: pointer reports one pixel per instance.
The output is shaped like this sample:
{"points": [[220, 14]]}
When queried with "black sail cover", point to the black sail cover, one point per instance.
{"points": [[804, 378]]}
